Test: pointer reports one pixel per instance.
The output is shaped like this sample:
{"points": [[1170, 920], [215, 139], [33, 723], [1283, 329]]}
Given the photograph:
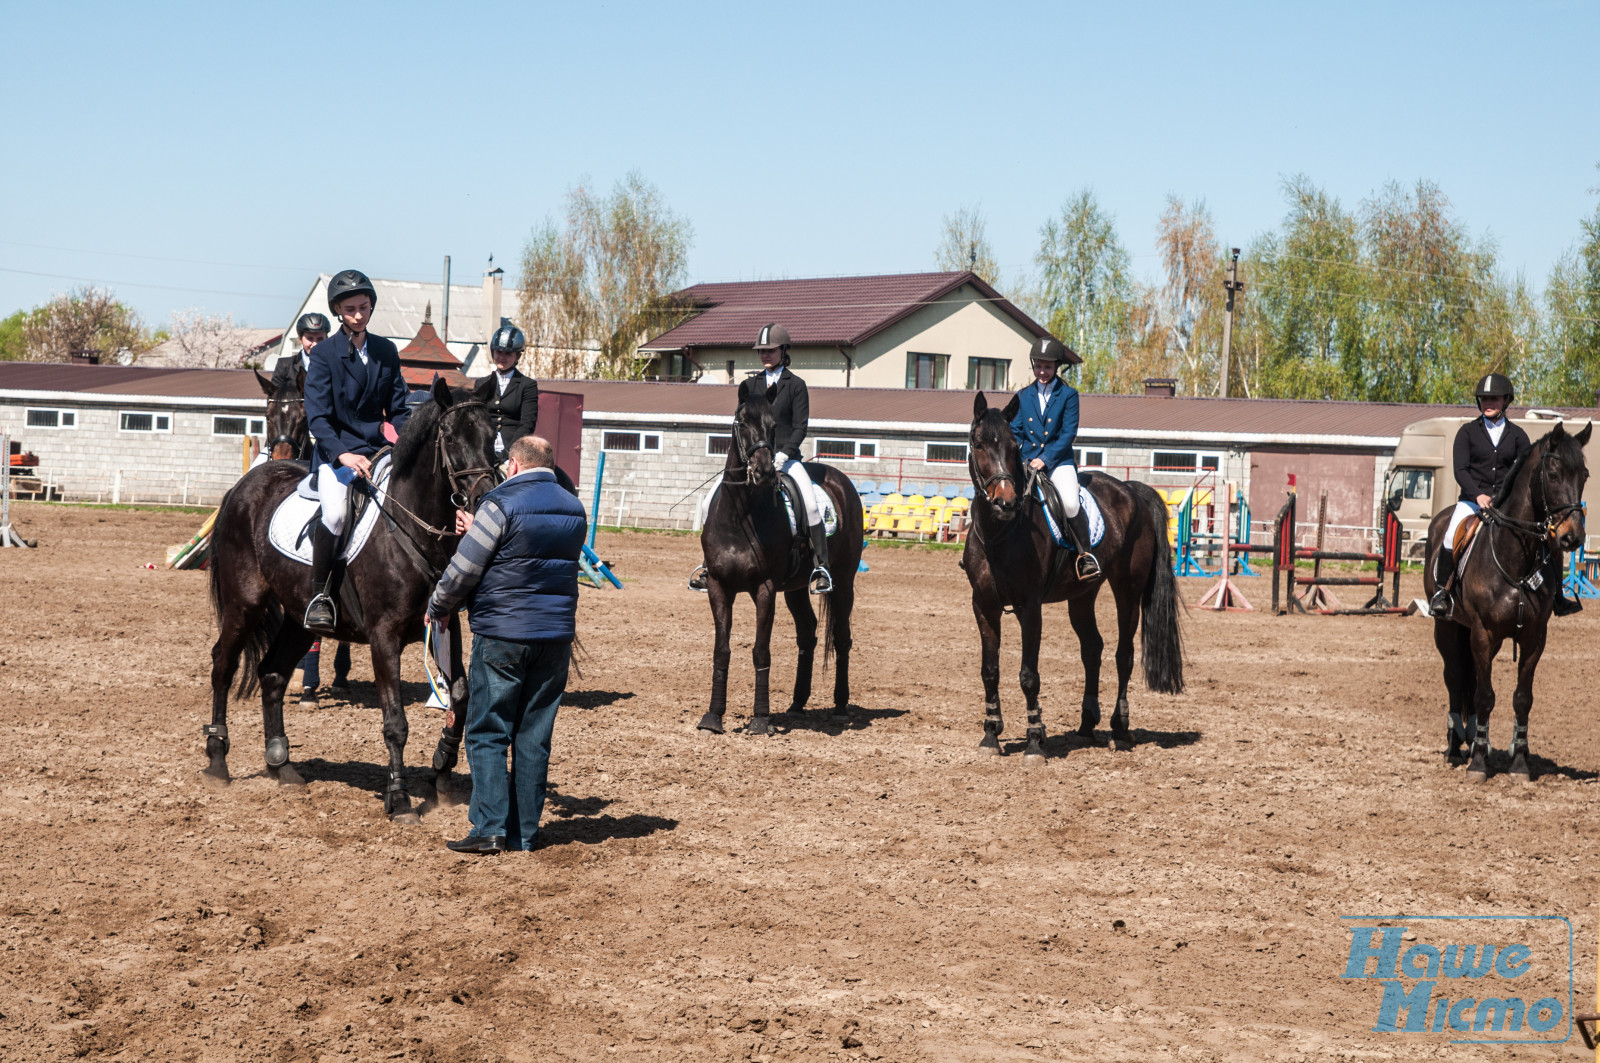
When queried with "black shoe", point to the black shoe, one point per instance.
{"points": [[1088, 566], [821, 579], [321, 615], [1441, 604], [1566, 606], [479, 845], [698, 579]]}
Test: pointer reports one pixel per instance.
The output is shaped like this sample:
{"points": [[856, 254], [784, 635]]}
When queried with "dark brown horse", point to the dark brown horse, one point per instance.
{"points": [[1504, 593], [1013, 562], [288, 432], [749, 549], [443, 461]]}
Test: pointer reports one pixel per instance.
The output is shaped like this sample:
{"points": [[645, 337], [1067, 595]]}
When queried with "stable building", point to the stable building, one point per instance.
{"points": [[923, 331]]}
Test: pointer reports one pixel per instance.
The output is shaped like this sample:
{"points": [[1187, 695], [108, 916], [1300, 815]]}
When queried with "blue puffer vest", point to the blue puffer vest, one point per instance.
{"points": [[530, 590]]}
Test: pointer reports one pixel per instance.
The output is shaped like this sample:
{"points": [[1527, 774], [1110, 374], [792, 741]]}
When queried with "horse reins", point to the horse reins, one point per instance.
{"points": [[1537, 531], [460, 497]]}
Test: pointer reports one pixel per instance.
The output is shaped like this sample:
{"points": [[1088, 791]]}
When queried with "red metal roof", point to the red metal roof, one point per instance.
{"points": [[129, 380], [822, 311]]}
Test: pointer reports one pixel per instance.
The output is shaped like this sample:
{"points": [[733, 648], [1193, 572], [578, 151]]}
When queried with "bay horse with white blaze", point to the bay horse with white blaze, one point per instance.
{"points": [[443, 461], [1013, 562], [288, 431], [1502, 593], [749, 549]]}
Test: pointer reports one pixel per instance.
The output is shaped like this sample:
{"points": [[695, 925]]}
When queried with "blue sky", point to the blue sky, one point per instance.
{"points": [[219, 155]]}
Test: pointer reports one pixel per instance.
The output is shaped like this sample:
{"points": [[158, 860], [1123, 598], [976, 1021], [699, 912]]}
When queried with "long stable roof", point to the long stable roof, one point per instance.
{"points": [[1156, 418], [821, 311]]}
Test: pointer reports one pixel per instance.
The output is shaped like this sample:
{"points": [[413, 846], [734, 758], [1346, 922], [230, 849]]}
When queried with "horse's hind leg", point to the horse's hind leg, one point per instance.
{"points": [[276, 667], [1030, 616], [1522, 703], [987, 612], [840, 604], [805, 632], [1127, 626], [386, 647], [1462, 722], [234, 624], [1090, 646]]}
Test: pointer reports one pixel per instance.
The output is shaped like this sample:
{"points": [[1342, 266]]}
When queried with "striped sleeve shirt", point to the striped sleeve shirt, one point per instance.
{"points": [[466, 569]]}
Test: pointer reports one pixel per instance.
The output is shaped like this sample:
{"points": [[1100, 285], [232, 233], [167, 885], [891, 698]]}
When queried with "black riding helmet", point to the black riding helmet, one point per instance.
{"points": [[1495, 385], [507, 339], [1048, 348], [348, 282], [773, 337], [312, 322]]}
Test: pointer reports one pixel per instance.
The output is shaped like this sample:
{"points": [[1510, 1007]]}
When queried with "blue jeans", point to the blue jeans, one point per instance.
{"points": [[514, 690]]}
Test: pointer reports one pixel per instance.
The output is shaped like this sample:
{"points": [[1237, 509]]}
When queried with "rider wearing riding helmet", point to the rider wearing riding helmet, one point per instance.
{"points": [[310, 330], [791, 409], [353, 386], [1045, 428], [511, 396], [1486, 450]]}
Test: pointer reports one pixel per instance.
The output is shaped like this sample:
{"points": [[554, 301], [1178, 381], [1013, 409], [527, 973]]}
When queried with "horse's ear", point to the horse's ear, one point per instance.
{"points": [[441, 393], [266, 384], [1583, 436], [979, 405], [772, 393], [1556, 433], [1011, 409]]}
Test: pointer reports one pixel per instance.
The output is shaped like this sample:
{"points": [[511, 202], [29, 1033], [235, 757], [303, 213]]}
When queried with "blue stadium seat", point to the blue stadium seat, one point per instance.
{"points": [[968, 492], [866, 486], [951, 490], [929, 490]]}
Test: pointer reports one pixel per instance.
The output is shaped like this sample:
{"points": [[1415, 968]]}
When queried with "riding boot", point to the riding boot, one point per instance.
{"points": [[1078, 531], [698, 579], [1554, 571], [322, 616], [1444, 568], [821, 578]]}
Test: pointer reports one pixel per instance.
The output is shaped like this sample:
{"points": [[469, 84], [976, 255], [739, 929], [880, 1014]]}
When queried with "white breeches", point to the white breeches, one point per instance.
{"points": [[1065, 479], [1462, 511], [333, 491], [793, 467]]}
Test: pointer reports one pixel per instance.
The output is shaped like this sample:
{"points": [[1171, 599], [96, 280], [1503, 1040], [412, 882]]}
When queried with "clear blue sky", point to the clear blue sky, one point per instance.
{"points": [[146, 140]]}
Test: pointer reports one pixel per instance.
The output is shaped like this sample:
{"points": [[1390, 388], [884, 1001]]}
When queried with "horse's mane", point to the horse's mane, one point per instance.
{"points": [[417, 435], [1504, 494], [1569, 444]]}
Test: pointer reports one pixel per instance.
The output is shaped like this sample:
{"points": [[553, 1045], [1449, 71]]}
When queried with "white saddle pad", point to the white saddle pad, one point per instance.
{"points": [[290, 530], [830, 519], [1091, 509]]}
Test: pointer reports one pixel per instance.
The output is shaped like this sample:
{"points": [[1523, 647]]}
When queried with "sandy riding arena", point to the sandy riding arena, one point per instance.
{"points": [[876, 891]]}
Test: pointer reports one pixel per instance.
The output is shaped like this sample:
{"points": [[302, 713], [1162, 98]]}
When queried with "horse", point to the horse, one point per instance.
{"points": [[443, 461], [749, 549], [1503, 593], [1013, 562], [290, 432]]}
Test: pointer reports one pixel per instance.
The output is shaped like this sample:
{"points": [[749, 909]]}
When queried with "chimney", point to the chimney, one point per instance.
{"points": [[1160, 387], [492, 281]]}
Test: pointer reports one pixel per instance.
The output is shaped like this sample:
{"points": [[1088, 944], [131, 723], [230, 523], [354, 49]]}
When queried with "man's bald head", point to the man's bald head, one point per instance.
{"points": [[534, 452]]}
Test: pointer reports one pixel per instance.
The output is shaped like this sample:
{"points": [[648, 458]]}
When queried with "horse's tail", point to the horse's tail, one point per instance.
{"points": [[1163, 643], [266, 629]]}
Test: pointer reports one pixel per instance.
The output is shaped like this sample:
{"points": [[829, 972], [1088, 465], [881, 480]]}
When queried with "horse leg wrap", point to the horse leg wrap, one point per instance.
{"points": [[992, 721], [762, 682], [447, 752], [1519, 738], [1480, 746], [277, 751], [219, 731], [1456, 732], [396, 786]]}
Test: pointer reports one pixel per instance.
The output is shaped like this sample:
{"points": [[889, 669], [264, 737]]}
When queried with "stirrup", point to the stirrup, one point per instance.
{"points": [[1088, 566], [821, 581], [322, 628], [1442, 604], [698, 579]]}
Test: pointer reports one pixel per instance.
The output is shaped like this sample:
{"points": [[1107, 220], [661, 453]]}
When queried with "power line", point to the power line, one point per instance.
{"points": [[140, 284], [157, 258]]}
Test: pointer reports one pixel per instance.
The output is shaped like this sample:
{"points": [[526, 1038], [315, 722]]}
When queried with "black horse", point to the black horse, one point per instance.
{"points": [[1012, 562], [1503, 593], [444, 460], [289, 433], [749, 549]]}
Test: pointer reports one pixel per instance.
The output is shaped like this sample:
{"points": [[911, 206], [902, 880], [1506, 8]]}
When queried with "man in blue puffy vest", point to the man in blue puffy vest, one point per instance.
{"points": [[517, 572]]}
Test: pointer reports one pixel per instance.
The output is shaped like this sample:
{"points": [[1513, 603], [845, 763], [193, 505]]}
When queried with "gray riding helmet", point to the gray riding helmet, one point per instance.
{"points": [[507, 339], [348, 282], [312, 322], [773, 337]]}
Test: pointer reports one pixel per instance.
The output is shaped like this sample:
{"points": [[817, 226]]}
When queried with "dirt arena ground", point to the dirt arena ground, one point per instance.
{"points": [[878, 891]]}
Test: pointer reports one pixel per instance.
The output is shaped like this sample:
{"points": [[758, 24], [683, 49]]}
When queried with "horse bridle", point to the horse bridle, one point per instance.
{"points": [[300, 446], [745, 454], [464, 481], [989, 483]]}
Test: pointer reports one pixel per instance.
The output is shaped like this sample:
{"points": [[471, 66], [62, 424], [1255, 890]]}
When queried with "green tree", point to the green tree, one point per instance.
{"points": [[965, 244], [13, 339], [1571, 339], [85, 320], [1084, 292], [599, 285]]}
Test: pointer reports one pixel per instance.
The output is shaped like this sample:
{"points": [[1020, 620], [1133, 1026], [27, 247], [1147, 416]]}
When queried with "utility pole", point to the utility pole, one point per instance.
{"points": [[444, 310], [1232, 284]]}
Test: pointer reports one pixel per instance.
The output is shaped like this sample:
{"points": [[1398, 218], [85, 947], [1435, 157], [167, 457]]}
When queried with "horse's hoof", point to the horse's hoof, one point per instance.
{"points": [[1121, 744], [1086, 733], [1031, 759], [796, 710], [1455, 758], [286, 775], [216, 780], [1477, 775], [405, 819], [711, 723], [840, 713], [759, 725]]}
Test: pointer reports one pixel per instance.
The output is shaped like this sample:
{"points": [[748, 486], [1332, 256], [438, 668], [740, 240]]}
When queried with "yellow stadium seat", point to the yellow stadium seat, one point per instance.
{"points": [[896, 499], [916, 500]]}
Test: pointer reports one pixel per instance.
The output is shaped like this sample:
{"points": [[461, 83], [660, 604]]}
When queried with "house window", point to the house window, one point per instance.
{"points": [[845, 450], [867, 451], [631, 442], [1088, 459], [945, 453], [677, 366], [1184, 461], [718, 446], [926, 370], [52, 418], [145, 422], [222, 425], [988, 374]]}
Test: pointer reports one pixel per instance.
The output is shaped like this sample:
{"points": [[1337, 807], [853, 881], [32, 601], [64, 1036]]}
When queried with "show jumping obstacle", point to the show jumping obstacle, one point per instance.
{"points": [[1319, 599]]}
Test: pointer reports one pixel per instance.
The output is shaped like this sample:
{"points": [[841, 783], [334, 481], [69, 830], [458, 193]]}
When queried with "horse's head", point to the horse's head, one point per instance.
{"points": [[287, 430], [1562, 474], [451, 437], [993, 458], [753, 429]]}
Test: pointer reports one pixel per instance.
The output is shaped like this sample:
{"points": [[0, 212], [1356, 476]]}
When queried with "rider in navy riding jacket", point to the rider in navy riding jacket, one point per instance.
{"points": [[348, 401]]}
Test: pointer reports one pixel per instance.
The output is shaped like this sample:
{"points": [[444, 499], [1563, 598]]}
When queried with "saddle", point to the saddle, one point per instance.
{"points": [[1466, 533], [801, 561]]}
